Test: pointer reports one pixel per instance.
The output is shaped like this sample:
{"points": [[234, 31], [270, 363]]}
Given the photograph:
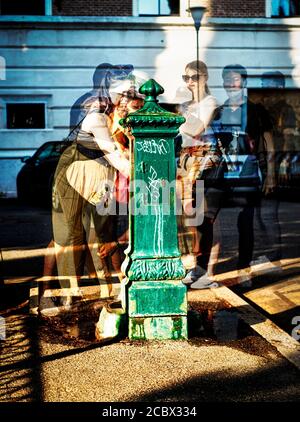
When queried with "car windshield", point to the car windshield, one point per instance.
{"points": [[44, 152], [50, 151], [58, 149]]}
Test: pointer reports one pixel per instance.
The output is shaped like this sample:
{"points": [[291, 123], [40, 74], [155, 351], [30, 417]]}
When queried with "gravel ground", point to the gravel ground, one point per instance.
{"points": [[36, 366], [169, 371]]}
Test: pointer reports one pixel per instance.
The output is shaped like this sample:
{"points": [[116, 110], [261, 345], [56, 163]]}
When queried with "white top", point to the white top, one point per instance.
{"points": [[97, 124], [198, 118]]}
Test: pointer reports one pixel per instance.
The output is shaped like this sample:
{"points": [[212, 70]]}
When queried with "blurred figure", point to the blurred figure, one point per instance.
{"points": [[284, 126], [78, 110], [83, 188], [245, 129], [129, 103], [284, 122], [200, 159]]}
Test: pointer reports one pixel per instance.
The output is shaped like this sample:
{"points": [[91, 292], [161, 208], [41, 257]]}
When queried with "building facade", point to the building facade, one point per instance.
{"points": [[49, 50]]}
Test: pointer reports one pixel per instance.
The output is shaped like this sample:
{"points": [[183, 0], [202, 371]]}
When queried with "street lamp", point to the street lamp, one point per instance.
{"points": [[197, 13]]}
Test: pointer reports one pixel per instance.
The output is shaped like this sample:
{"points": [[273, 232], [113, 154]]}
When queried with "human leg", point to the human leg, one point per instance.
{"points": [[269, 226], [246, 236], [205, 258], [68, 229], [268, 257]]}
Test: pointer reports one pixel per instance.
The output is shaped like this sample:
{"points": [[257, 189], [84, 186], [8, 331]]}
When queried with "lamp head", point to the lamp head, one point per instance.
{"points": [[197, 13]]}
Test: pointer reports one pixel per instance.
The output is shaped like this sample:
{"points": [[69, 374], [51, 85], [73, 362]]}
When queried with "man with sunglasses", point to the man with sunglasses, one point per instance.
{"points": [[245, 132]]}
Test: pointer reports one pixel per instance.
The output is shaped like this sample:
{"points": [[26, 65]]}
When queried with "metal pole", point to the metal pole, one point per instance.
{"points": [[197, 44]]}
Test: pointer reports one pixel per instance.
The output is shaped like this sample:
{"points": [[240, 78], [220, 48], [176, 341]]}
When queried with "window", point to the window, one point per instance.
{"points": [[285, 8], [25, 116], [158, 7], [2, 68], [25, 7], [44, 152]]}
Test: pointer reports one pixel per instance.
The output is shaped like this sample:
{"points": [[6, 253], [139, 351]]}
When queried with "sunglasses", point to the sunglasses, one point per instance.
{"points": [[119, 72], [194, 78]]}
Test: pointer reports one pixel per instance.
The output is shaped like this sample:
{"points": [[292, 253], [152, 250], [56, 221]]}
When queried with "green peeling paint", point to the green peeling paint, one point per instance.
{"points": [[158, 328], [157, 298]]}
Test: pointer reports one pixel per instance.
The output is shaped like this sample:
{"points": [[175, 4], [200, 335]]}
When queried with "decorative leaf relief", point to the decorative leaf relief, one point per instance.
{"points": [[152, 113], [156, 269], [153, 121]]}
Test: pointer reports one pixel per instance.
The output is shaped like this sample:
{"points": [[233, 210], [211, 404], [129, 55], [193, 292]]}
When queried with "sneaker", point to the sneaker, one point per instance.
{"points": [[263, 265], [244, 279], [193, 275], [204, 282], [47, 306], [66, 302]]}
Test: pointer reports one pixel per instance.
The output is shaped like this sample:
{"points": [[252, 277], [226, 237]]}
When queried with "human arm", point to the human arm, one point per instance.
{"points": [[270, 180], [108, 248], [96, 123], [198, 117], [267, 145]]}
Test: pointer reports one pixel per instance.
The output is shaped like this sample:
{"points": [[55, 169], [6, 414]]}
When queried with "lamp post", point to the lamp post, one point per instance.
{"points": [[197, 13]]}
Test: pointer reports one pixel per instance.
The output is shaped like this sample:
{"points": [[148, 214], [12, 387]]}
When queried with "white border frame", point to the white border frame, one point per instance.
{"points": [[48, 7], [183, 4], [268, 8], [135, 7]]}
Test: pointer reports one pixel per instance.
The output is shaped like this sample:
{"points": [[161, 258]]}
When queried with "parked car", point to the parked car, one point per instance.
{"points": [[244, 168], [35, 179], [288, 165]]}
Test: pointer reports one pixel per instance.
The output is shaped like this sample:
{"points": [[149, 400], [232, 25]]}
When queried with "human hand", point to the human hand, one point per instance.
{"points": [[188, 207], [106, 249], [269, 185], [128, 133]]}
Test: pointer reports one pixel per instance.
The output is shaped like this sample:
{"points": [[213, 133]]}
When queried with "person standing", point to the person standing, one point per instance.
{"points": [[83, 188], [246, 131], [284, 123], [200, 159]]}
